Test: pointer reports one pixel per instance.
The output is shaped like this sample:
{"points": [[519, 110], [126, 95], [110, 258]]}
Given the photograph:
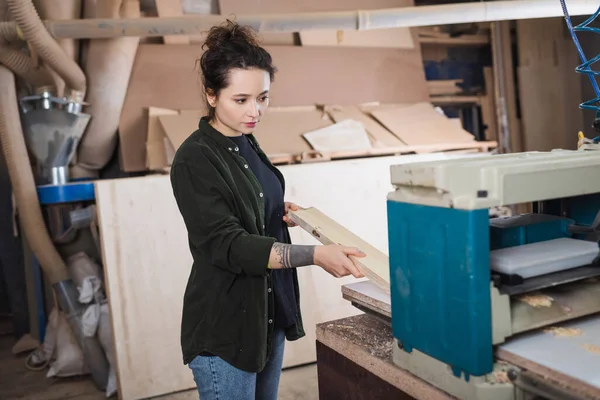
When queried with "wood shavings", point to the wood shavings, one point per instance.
{"points": [[501, 377], [537, 301], [592, 348], [563, 332]]}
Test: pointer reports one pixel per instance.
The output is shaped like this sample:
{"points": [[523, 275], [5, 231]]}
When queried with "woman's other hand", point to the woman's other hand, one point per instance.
{"points": [[335, 260], [289, 206]]}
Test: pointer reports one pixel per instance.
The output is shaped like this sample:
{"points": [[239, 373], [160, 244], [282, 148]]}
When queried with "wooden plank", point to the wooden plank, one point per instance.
{"points": [[488, 105], [145, 326], [375, 266], [510, 84], [542, 109], [242, 7], [163, 76], [399, 38], [547, 54], [368, 295], [569, 357]]}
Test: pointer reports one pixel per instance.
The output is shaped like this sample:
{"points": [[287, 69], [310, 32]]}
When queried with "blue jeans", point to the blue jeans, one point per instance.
{"points": [[218, 380]]}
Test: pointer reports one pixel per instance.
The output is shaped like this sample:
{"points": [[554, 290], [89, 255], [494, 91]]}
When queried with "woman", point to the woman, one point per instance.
{"points": [[242, 299]]}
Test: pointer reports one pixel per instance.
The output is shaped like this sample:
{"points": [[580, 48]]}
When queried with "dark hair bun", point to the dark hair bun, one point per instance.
{"points": [[227, 47], [230, 33]]}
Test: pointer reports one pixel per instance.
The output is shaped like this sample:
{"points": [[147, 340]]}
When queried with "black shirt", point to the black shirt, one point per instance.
{"points": [[283, 286], [228, 309]]}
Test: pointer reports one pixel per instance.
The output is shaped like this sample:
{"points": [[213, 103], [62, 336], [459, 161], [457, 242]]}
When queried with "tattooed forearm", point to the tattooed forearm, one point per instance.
{"points": [[291, 255]]}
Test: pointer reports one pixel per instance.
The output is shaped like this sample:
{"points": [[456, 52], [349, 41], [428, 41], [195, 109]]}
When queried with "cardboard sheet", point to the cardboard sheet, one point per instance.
{"points": [[164, 76], [421, 124]]}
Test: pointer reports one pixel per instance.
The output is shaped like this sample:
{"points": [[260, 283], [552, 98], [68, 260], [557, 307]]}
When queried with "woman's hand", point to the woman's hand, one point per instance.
{"points": [[289, 206], [335, 260]]}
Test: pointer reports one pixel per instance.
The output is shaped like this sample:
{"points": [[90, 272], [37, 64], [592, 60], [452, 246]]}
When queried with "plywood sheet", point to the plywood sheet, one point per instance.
{"points": [[348, 135], [570, 356], [421, 124], [146, 265], [399, 38], [542, 130], [178, 127], [381, 137], [155, 141], [280, 130], [164, 76], [375, 266]]}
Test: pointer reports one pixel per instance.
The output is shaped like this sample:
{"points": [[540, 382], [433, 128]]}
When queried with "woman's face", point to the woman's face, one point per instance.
{"points": [[240, 106]]}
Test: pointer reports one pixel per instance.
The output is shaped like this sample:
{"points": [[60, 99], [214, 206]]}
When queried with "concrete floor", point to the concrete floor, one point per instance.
{"points": [[17, 382]]}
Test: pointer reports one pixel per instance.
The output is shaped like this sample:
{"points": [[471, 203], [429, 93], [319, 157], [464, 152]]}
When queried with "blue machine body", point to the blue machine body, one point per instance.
{"points": [[525, 229], [440, 273], [440, 284]]}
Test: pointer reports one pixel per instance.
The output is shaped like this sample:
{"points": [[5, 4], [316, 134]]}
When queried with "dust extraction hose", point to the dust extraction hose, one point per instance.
{"points": [[108, 67], [34, 31], [21, 64], [33, 225]]}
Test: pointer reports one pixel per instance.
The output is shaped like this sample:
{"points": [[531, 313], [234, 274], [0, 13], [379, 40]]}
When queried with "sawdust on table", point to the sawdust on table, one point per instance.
{"points": [[537, 300], [366, 331], [592, 348], [563, 332], [501, 377]]}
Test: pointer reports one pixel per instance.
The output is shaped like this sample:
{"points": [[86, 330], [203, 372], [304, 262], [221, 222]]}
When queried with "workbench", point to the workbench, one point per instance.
{"points": [[354, 361], [355, 357]]}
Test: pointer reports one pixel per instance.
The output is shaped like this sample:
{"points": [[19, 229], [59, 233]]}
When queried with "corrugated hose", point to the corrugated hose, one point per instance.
{"points": [[586, 66]]}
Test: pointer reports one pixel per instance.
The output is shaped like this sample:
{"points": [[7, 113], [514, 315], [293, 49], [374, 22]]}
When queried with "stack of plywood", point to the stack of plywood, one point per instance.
{"points": [[347, 68], [309, 133]]}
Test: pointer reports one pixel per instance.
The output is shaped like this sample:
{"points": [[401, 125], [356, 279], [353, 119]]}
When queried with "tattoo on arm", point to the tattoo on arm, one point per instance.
{"points": [[293, 256]]}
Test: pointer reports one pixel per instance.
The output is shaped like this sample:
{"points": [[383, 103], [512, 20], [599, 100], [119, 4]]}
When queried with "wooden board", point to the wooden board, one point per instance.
{"points": [[241, 7], [381, 137], [348, 135], [399, 38], [155, 141], [573, 361], [164, 76], [375, 266], [146, 264], [280, 130], [421, 124], [370, 296], [547, 54]]}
